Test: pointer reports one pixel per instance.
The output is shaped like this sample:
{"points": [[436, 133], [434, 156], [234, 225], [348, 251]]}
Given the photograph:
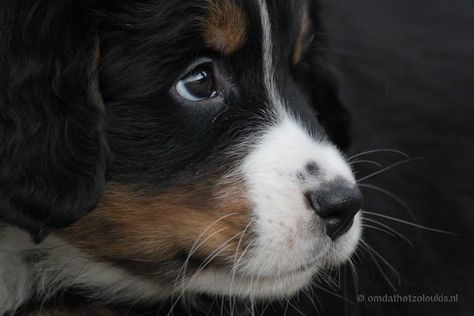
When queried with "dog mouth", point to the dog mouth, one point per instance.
{"points": [[242, 285], [228, 281], [282, 276], [267, 265]]}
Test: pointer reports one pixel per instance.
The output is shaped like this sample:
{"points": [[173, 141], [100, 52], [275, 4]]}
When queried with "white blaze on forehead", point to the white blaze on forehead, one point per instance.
{"points": [[275, 100], [291, 131], [289, 234]]}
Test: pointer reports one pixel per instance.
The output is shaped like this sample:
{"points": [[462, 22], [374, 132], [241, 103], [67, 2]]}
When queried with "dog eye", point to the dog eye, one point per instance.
{"points": [[198, 85]]}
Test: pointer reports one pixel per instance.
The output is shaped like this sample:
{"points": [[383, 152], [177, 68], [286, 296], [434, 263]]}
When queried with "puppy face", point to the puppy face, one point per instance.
{"points": [[223, 179]]}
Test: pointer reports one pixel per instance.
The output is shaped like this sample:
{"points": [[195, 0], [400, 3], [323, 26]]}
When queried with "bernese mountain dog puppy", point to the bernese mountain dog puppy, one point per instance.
{"points": [[154, 149]]}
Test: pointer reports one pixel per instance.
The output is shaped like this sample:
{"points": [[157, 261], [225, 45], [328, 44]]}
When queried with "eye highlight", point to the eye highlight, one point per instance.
{"points": [[199, 84]]}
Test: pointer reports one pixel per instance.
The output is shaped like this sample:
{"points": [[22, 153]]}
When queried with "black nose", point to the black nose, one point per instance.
{"points": [[337, 204]]}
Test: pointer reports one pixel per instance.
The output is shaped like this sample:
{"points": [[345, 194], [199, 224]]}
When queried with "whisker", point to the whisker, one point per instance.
{"points": [[331, 282], [389, 230], [236, 260], [379, 229], [333, 279], [410, 223], [374, 259], [211, 306], [388, 168], [311, 297], [183, 273], [355, 275], [197, 244], [265, 308], [339, 276], [214, 254], [367, 161], [206, 262], [384, 261], [286, 308], [170, 312], [235, 263], [384, 150], [252, 304], [393, 196], [318, 301], [334, 294], [356, 256], [296, 309], [222, 305]]}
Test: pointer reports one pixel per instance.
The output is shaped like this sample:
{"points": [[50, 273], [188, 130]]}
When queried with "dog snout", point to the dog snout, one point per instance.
{"points": [[336, 204]]}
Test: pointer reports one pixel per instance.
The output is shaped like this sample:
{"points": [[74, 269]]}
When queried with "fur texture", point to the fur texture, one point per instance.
{"points": [[160, 149]]}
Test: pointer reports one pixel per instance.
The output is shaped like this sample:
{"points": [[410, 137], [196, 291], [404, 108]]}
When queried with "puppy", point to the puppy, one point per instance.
{"points": [[155, 149]]}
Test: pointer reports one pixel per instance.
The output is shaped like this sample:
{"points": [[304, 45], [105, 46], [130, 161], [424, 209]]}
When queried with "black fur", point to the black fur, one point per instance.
{"points": [[53, 152]]}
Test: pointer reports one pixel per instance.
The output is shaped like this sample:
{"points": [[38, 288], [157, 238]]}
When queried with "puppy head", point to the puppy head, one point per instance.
{"points": [[223, 178]]}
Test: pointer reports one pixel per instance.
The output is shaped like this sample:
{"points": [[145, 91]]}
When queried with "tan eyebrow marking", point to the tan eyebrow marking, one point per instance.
{"points": [[225, 27], [304, 28]]}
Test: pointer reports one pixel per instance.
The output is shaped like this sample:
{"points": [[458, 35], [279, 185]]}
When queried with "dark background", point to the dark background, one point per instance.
{"points": [[406, 69]]}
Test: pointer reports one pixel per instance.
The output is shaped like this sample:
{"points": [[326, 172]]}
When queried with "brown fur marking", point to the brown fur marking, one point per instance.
{"points": [[132, 225], [225, 27]]}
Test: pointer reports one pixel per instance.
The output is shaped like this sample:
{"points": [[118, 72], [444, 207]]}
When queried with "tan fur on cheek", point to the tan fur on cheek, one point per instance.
{"points": [[131, 225], [225, 27]]}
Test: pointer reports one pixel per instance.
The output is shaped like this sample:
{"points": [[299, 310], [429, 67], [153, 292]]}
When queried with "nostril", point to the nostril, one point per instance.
{"points": [[342, 216], [312, 200], [336, 204]]}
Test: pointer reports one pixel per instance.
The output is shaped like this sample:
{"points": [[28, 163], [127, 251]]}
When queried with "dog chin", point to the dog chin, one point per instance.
{"points": [[279, 286], [224, 283]]}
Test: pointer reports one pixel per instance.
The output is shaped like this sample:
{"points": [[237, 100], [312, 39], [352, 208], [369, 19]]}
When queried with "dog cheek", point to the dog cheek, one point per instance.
{"points": [[153, 234]]}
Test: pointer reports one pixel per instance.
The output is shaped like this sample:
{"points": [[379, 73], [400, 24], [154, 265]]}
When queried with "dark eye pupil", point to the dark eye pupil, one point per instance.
{"points": [[200, 84]]}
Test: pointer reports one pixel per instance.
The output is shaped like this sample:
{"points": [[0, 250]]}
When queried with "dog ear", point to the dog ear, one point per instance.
{"points": [[53, 152]]}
